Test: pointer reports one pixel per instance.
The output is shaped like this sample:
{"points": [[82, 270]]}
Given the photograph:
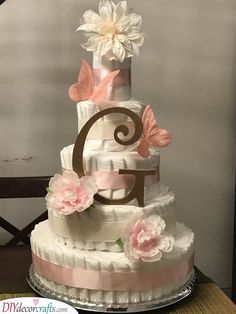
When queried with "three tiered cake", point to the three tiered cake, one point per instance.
{"points": [[111, 236]]}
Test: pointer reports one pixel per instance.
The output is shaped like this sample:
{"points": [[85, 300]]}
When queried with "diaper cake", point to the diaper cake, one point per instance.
{"points": [[111, 237]]}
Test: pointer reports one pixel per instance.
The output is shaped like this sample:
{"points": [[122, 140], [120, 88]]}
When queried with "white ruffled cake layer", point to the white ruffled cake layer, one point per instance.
{"points": [[100, 136], [108, 162], [49, 250], [100, 226]]}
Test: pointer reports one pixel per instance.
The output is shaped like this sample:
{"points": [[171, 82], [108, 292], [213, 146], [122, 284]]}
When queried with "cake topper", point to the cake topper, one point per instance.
{"points": [[152, 135], [115, 33], [137, 191], [85, 88]]}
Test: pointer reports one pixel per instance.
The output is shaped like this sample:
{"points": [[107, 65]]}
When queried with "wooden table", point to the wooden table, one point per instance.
{"points": [[15, 262]]}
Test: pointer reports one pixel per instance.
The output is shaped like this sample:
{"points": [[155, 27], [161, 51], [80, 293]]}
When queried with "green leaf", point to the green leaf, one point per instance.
{"points": [[48, 190], [120, 243]]}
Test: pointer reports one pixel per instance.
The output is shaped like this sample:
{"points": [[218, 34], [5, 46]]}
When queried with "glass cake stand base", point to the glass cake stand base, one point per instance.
{"points": [[167, 300]]}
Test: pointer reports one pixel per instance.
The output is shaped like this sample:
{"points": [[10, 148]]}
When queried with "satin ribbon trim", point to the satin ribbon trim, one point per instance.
{"points": [[117, 281], [112, 180], [122, 79], [115, 181]]}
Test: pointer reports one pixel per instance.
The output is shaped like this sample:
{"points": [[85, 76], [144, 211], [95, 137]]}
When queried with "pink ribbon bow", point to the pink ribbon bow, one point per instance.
{"points": [[85, 88], [152, 135]]}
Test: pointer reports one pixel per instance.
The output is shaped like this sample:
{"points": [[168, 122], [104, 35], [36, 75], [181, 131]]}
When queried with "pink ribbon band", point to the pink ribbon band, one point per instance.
{"points": [[122, 79], [117, 281], [113, 180]]}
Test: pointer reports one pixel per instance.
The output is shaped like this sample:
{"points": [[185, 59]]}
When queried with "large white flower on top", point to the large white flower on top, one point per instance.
{"points": [[114, 33]]}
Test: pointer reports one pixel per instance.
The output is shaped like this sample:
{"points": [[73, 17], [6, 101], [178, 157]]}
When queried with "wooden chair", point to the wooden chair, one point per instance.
{"points": [[22, 187]]}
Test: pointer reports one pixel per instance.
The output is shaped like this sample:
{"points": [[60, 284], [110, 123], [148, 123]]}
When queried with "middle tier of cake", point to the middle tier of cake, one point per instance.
{"points": [[101, 134], [105, 166]]}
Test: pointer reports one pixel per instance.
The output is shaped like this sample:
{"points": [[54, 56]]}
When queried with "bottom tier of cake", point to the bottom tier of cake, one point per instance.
{"points": [[108, 277]]}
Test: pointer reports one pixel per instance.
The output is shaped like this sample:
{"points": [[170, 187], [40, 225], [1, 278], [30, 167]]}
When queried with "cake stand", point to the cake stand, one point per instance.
{"points": [[165, 301]]}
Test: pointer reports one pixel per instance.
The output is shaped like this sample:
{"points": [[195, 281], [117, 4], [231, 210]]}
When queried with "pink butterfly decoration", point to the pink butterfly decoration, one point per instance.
{"points": [[152, 135], [85, 87]]}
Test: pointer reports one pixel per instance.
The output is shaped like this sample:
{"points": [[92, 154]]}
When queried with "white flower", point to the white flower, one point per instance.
{"points": [[114, 33]]}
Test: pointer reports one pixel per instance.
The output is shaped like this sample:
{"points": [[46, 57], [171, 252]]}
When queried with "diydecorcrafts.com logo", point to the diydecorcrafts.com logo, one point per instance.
{"points": [[35, 305]]}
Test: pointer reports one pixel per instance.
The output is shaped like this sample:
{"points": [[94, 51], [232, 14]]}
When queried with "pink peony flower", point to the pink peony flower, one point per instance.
{"points": [[68, 193], [146, 239]]}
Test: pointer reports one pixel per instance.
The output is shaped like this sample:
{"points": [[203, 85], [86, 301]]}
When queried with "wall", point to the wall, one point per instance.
{"points": [[186, 70]]}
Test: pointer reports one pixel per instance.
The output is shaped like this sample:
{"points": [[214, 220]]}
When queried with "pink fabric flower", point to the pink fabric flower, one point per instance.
{"points": [[68, 193], [146, 239]]}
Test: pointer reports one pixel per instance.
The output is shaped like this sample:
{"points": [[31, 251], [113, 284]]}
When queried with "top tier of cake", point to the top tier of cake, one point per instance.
{"points": [[120, 89]]}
